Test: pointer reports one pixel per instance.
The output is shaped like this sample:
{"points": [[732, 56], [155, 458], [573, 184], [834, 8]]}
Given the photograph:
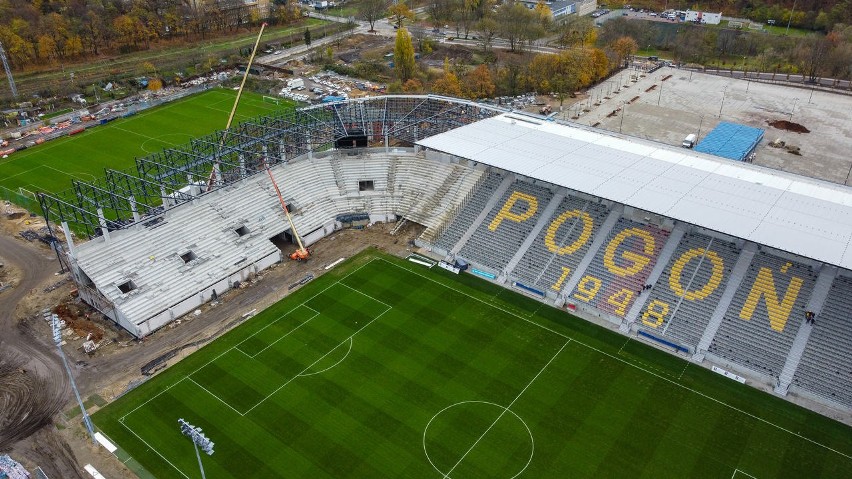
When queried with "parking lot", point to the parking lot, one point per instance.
{"points": [[671, 103]]}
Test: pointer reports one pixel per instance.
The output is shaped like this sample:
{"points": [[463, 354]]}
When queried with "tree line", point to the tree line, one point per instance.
{"points": [[808, 14], [827, 55], [36, 32]]}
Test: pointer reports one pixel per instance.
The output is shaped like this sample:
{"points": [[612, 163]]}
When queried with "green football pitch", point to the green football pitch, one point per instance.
{"points": [[383, 368], [51, 166]]}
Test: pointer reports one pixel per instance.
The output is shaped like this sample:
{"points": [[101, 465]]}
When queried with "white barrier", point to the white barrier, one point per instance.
{"points": [[729, 375], [332, 265], [449, 267], [93, 472], [105, 442]]}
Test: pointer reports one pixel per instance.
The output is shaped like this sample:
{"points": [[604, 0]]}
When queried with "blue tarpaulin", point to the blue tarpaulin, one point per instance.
{"points": [[730, 140]]}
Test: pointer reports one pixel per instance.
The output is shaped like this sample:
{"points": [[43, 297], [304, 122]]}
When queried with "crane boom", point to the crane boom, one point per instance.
{"points": [[302, 252], [8, 72], [212, 178]]}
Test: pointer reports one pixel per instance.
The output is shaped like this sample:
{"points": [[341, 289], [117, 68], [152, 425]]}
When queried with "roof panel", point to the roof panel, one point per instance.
{"points": [[808, 217]]}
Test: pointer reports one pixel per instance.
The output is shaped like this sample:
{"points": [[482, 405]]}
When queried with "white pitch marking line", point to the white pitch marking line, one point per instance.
{"points": [[215, 396], [687, 388], [152, 448], [318, 360], [447, 474], [335, 364], [276, 341], [741, 472], [367, 295]]}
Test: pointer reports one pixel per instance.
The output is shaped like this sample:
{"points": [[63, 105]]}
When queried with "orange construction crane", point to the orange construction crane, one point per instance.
{"points": [[301, 254]]}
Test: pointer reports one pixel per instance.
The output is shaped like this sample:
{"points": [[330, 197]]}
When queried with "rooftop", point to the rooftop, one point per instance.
{"points": [[804, 216]]}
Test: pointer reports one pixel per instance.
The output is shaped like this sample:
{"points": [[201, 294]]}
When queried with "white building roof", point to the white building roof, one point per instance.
{"points": [[804, 216]]}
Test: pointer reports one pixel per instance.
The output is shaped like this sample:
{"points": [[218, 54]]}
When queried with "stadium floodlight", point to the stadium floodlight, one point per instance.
{"points": [[57, 338], [198, 440]]}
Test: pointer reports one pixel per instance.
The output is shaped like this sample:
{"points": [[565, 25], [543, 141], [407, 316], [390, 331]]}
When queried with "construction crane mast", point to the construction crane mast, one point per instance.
{"points": [[8, 72], [302, 254]]}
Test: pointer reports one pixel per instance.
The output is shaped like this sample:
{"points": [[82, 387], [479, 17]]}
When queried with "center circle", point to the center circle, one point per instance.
{"points": [[490, 424]]}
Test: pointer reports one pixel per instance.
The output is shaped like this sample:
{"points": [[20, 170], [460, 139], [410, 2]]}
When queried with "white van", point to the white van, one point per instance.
{"points": [[689, 141]]}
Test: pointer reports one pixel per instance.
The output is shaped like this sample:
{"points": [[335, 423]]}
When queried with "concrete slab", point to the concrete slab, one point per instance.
{"points": [[690, 102]]}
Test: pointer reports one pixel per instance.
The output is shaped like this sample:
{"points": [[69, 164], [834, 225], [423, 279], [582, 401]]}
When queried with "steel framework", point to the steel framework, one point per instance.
{"points": [[173, 176]]}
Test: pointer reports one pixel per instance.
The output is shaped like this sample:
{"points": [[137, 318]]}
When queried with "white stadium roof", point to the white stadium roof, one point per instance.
{"points": [[808, 217]]}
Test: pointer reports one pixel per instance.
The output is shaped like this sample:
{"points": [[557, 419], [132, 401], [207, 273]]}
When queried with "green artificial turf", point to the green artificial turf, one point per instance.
{"points": [[51, 166], [383, 368]]}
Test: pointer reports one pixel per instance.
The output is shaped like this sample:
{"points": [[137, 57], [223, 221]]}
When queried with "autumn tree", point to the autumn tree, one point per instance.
{"points": [[479, 83], [399, 11], [448, 84], [487, 29], [412, 85], [623, 48], [372, 10], [514, 20], [403, 56]]}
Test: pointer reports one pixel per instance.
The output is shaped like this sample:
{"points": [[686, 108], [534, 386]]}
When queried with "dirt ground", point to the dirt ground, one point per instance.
{"points": [[33, 375]]}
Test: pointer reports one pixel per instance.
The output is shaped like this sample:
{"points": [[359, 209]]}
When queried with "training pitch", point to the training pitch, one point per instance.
{"points": [[384, 368], [50, 167]]}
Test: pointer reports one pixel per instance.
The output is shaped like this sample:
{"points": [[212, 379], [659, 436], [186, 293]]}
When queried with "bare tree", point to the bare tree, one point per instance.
{"points": [[372, 10]]}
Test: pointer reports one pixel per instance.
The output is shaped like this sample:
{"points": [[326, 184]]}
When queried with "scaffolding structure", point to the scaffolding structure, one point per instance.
{"points": [[176, 175]]}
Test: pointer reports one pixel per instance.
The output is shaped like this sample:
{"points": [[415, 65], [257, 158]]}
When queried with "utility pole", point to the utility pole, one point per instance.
{"points": [[8, 72]]}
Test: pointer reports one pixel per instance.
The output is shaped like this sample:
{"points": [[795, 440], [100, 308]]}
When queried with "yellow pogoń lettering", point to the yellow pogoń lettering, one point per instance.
{"points": [[620, 300], [550, 237], [676, 276], [638, 261], [655, 314], [506, 211], [588, 288], [779, 311], [558, 284]]}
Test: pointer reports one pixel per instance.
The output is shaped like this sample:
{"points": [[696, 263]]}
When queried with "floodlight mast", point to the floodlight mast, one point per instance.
{"points": [[57, 338], [195, 434]]}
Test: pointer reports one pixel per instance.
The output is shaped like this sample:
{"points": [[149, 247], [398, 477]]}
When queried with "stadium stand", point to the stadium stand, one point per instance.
{"points": [[761, 322], [427, 190], [682, 301], [741, 255], [507, 225], [617, 274], [469, 212], [558, 248], [826, 366]]}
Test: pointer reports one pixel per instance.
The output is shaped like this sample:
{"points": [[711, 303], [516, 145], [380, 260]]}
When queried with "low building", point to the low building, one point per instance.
{"points": [[703, 17]]}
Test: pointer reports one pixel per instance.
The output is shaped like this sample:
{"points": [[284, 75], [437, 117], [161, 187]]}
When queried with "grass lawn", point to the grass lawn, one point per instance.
{"points": [[383, 368], [51, 166]]}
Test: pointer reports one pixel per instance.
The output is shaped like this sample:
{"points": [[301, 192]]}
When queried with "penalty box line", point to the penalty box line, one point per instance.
{"points": [[302, 372], [122, 418], [253, 356], [631, 364], [234, 346]]}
